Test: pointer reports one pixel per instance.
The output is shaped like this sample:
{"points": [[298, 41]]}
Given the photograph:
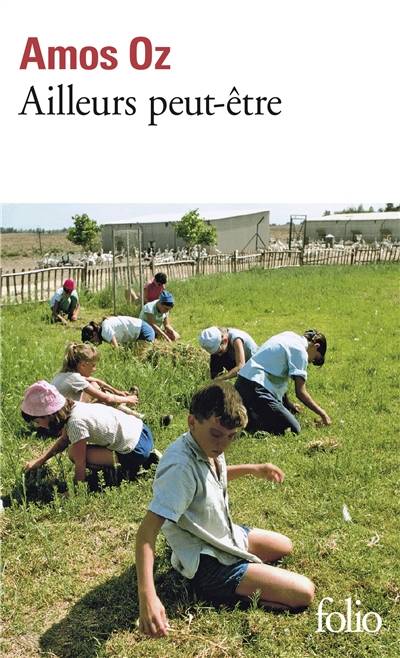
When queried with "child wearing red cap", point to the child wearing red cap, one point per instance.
{"points": [[93, 433], [65, 301]]}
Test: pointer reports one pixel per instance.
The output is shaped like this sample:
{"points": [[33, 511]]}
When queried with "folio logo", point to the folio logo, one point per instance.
{"points": [[337, 622]]}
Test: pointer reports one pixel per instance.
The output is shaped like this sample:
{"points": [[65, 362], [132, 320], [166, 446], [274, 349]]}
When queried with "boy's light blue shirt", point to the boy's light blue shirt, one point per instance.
{"points": [[194, 502], [280, 357]]}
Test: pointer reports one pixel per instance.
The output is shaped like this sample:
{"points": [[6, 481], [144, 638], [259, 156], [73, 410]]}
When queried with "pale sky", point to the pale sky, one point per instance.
{"points": [[58, 216]]}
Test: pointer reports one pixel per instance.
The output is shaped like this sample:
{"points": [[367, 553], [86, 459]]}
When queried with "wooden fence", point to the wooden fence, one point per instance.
{"points": [[39, 285]]}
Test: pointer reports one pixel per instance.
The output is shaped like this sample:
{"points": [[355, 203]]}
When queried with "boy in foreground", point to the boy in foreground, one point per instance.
{"points": [[225, 562]]}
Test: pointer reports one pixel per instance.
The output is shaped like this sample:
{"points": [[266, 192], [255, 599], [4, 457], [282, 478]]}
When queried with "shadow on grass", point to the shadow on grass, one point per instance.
{"points": [[110, 608], [41, 486]]}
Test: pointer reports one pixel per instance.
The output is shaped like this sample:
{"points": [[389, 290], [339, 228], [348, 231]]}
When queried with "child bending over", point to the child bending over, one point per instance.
{"points": [[263, 381], [225, 561], [93, 433], [75, 380], [229, 350]]}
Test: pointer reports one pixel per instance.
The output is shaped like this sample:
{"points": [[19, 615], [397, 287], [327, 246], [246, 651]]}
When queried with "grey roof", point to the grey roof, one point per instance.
{"points": [[357, 216], [160, 218]]}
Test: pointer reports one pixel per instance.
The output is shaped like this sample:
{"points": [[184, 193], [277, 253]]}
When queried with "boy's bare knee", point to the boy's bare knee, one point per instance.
{"points": [[287, 547], [306, 593]]}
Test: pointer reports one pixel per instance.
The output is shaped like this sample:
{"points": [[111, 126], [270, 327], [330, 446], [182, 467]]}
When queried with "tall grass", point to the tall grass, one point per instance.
{"points": [[69, 577]]}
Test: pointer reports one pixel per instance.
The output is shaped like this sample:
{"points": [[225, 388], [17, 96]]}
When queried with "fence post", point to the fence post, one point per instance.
{"points": [[301, 256], [84, 275], [352, 257], [234, 261]]}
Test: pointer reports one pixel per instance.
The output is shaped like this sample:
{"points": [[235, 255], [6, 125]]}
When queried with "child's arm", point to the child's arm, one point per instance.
{"points": [[77, 453], [240, 360], [150, 319], [264, 471], [106, 387], [304, 396], [152, 617], [58, 446], [108, 398], [292, 406]]}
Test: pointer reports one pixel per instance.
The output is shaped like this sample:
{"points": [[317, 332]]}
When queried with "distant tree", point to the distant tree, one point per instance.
{"points": [[193, 229], [326, 213], [390, 207], [85, 232]]}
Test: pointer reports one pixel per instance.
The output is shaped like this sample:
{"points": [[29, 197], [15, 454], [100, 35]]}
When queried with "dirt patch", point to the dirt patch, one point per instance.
{"points": [[22, 250]]}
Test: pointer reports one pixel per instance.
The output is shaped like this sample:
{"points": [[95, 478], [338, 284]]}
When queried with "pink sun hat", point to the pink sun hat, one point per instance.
{"points": [[42, 399]]}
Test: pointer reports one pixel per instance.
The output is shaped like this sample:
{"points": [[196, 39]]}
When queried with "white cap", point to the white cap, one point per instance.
{"points": [[210, 339]]}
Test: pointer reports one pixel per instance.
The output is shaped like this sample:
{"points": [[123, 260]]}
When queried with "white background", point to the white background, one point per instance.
{"points": [[334, 65]]}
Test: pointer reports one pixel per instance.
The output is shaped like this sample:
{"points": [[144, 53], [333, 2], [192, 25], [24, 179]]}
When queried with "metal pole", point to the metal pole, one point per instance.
{"points": [[40, 241], [127, 261], [305, 231], [114, 274], [140, 268]]}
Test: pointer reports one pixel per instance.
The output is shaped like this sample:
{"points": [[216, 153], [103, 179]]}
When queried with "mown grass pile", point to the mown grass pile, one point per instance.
{"points": [[68, 562]]}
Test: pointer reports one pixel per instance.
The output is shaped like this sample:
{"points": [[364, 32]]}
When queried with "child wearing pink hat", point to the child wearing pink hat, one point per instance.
{"points": [[65, 302], [95, 434]]}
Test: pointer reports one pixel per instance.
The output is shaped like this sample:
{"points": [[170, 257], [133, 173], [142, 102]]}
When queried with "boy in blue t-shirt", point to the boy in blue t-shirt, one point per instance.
{"points": [[224, 561], [263, 381]]}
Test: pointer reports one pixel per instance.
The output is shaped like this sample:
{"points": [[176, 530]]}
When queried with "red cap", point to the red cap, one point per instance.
{"points": [[69, 285]]}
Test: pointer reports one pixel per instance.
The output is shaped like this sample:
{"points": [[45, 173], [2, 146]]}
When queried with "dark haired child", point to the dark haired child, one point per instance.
{"points": [[118, 330], [263, 381], [225, 562], [151, 291], [154, 288], [94, 434]]}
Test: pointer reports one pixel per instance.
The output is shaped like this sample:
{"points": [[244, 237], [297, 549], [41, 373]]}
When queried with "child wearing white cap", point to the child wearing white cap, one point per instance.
{"points": [[229, 350], [93, 433]]}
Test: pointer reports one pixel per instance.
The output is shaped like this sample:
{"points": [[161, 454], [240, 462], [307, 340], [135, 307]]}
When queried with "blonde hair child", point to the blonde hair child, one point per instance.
{"points": [[75, 380]]}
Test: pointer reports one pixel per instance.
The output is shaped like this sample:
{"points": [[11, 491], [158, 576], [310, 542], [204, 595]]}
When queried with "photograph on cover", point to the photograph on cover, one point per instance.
{"points": [[154, 353]]}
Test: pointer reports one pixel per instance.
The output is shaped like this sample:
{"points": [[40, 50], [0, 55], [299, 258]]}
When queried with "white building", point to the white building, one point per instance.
{"points": [[245, 232], [371, 225]]}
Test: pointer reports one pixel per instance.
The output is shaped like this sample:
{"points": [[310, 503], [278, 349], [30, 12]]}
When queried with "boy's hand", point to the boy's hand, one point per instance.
{"points": [[324, 419], [132, 399], [153, 619], [33, 464], [270, 472]]}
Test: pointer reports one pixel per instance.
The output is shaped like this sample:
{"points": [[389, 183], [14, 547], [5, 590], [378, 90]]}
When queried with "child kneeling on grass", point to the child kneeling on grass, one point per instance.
{"points": [[93, 433], [225, 562], [75, 380]]}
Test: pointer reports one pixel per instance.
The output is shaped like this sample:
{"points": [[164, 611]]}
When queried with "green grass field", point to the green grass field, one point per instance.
{"points": [[68, 562]]}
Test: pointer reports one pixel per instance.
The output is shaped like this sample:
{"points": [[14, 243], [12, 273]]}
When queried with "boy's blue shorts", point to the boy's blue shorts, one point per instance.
{"points": [[217, 582], [147, 332], [140, 453]]}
